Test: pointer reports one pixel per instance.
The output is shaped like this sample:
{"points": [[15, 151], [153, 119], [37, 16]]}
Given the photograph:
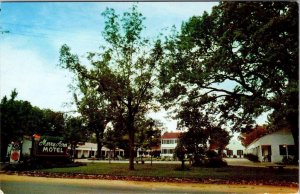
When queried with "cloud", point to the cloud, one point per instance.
{"points": [[36, 82], [28, 60]]}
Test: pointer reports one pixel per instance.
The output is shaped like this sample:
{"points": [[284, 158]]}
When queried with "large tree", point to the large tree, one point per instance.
{"points": [[240, 61], [124, 70]]}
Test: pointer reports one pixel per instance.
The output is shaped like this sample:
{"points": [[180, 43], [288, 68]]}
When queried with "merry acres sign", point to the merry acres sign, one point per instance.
{"points": [[50, 146]]}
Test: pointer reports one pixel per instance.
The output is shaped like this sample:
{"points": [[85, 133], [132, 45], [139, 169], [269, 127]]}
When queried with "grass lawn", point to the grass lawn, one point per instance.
{"points": [[230, 173]]}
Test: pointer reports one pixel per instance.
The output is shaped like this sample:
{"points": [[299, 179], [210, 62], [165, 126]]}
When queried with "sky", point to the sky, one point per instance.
{"points": [[29, 53]]}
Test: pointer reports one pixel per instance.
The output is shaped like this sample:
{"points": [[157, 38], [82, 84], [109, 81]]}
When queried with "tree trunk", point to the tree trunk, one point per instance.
{"points": [[131, 131], [295, 133], [109, 156], [151, 156], [131, 150], [182, 164], [99, 144], [73, 148], [293, 119], [220, 153]]}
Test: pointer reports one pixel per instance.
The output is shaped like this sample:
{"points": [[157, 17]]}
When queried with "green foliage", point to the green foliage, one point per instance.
{"points": [[19, 118], [236, 63], [201, 128], [219, 139], [96, 111], [75, 131], [124, 71], [216, 162], [211, 154], [180, 151], [194, 141], [110, 139], [53, 123], [148, 133]]}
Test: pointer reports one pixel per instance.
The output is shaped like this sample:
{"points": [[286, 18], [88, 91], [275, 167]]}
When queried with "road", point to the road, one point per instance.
{"points": [[11, 184]]}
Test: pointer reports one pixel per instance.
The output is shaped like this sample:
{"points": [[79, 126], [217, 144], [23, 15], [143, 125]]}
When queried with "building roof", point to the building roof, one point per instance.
{"points": [[283, 136], [171, 135]]}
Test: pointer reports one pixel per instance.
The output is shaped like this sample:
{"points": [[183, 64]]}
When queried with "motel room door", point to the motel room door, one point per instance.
{"points": [[266, 153]]}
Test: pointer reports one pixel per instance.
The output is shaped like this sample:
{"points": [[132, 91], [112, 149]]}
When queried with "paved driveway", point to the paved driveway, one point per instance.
{"points": [[246, 162]]}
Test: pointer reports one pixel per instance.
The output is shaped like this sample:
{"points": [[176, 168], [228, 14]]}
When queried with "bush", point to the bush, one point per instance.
{"points": [[287, 160], [234, 156], [211, 154], [251, 157], [199, 160], [216, 162]]}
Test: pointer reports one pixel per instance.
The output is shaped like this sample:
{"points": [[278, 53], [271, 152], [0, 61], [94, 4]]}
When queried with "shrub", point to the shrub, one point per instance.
{"points": [[234, 156], [200, 161], [216, 162], [251, 157], [287, 160], [211, 154]]}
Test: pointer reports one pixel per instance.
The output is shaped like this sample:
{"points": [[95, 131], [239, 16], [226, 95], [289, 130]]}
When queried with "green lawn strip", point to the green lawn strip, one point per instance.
{"points": [[231, 173]]}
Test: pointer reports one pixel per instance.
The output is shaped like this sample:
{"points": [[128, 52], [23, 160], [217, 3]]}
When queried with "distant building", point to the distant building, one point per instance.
{"points": [[273, 147], [169, 142], [155, 150], [234, 148], [89, 150]]}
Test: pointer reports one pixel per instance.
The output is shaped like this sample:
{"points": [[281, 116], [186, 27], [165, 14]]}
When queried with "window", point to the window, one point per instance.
{"points": [[168, 151], [165, 141], [169, 141], [239, 152], [229, 152], [289, 148]]}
